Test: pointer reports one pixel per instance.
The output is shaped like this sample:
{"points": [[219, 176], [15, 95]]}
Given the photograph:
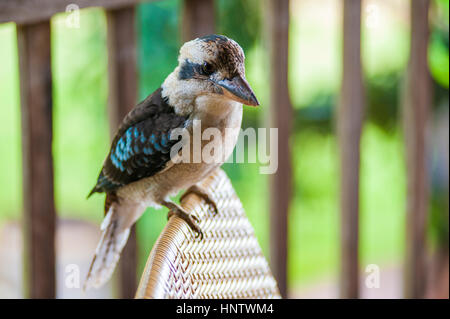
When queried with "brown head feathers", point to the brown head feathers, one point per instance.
{"points": [[220, 52]]}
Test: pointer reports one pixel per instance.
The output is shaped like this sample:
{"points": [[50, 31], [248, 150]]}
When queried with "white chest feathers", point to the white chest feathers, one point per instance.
{"points": [[219, 121]]}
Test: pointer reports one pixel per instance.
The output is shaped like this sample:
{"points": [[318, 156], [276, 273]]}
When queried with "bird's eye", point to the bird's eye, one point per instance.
{"points": [[207, 68]]}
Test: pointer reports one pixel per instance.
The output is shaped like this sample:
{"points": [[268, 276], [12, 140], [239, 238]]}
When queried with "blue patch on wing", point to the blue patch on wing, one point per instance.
{"points": [[148, 150], [134, 144], [142, 144]]}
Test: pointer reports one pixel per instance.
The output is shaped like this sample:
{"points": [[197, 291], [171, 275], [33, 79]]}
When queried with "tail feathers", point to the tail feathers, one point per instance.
{"points": [[107, 254]]}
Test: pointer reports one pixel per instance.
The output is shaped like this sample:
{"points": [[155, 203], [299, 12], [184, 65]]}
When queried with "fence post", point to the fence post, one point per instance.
{"points": [[350, 115], [38, 199], [280, 118], [198, 19], [417, 100], [122, 75]]}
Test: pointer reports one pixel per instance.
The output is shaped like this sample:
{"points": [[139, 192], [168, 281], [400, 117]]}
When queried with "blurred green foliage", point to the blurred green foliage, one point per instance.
{"points": [[438, 51], [81, 129], [241, 21]]}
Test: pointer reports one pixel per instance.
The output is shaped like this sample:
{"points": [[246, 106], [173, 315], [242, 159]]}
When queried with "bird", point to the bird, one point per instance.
{"points": [[207, 87]]}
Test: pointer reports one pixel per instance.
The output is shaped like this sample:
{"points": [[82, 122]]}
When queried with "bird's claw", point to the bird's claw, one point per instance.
{"points": [[195, 189], [191, 220]]}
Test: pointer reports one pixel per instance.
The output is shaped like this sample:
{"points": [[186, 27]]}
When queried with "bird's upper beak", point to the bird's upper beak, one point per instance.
{"points": [[239, 90]]}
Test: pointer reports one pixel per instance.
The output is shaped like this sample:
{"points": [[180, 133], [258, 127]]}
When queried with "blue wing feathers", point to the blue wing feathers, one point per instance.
{"points": [[142, 144]]}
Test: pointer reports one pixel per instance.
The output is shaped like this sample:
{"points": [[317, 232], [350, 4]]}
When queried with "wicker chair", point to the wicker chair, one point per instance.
{"points": [[227, 263]]}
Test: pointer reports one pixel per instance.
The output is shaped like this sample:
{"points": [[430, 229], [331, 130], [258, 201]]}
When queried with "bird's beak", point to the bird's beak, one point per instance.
{"points": [[239, 90]]}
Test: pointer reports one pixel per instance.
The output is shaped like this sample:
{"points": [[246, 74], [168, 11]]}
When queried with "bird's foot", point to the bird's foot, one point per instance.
{"points": [[190, 219], [199, 191]]}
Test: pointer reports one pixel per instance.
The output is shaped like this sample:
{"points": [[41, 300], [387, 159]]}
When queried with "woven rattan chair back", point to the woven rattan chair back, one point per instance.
{"points": [[227, 263]]}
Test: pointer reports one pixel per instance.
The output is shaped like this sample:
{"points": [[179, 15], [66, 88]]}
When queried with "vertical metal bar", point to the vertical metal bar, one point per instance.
{"points": [[417, 102], [280, 117], [39, 208], [122, 98], [350, 114], [198, 19]]}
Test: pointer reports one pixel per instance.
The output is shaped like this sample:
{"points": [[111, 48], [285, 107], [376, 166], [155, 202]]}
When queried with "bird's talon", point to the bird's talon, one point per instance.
{"points": [[195, 218], [199, 235], [198, 232], [190, 219], [203, 194]]}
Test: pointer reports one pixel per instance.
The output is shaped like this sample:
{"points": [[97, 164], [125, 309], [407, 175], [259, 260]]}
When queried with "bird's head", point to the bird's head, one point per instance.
{"points": [[214, 65]]}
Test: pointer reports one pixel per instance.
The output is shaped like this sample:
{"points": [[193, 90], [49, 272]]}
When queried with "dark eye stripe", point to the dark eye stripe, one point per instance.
{"points": [[188, 69]]}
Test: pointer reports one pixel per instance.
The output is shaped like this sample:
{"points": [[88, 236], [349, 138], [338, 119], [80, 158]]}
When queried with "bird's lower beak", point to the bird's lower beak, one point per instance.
{"points": [[239, 90]]}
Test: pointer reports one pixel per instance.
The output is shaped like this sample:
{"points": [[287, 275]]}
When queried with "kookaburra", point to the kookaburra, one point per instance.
{"points": [[208, 87]]}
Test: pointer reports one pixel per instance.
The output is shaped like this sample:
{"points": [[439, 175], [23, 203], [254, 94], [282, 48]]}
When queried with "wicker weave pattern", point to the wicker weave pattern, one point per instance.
{"points": [[227, 263]]}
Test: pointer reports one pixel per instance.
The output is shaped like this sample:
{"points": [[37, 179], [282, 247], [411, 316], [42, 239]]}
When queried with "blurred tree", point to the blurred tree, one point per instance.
{"points": [[382, 100], [159, 42], [439, 43], [438, 58], [240, 20]]}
